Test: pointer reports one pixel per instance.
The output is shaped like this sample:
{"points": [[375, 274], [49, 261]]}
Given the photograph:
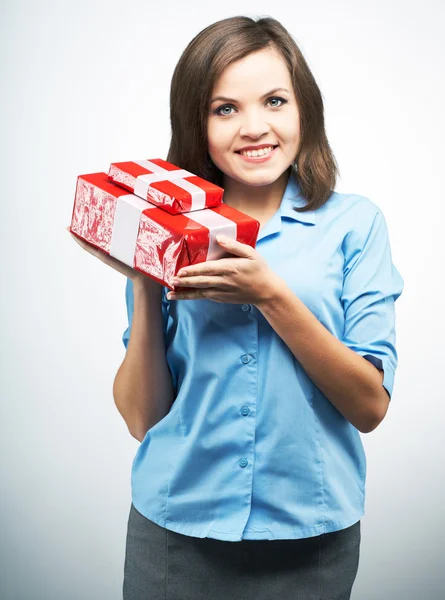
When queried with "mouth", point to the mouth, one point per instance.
{"points": [[257, 153], [255, 157]]}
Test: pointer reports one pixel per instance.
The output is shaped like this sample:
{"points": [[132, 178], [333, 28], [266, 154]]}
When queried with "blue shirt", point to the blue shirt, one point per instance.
{"points": [[251, 448]]}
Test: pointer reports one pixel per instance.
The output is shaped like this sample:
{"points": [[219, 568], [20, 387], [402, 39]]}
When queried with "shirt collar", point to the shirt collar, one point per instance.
{"points": [[292, 197]]}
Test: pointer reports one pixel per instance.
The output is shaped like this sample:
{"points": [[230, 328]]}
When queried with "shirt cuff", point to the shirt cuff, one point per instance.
{"points": [[388, 370]]}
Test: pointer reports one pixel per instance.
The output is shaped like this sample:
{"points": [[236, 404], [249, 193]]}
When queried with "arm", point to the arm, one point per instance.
{"points": [[143, 389], [347, 379], [355, 373]]}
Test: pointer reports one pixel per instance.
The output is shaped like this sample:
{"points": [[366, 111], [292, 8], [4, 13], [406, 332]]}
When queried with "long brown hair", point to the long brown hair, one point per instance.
{"points": [[199, 67]]}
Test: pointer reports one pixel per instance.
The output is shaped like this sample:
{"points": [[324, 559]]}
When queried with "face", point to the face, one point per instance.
{"points": [[253, 112]]}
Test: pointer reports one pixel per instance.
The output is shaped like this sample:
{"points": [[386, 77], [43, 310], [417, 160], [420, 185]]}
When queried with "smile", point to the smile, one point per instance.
{"points": [[257, 155]]}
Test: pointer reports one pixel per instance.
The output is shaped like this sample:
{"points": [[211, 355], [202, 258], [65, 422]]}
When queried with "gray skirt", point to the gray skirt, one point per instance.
{"points": [[164, 565]]}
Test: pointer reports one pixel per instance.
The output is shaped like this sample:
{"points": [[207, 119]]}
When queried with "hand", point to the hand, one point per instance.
{"points": [[245, 279], [115, 263]]}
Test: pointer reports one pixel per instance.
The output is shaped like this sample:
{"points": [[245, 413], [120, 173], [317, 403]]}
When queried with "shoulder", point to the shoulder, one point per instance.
{"points": [[353, 212], [351, 206]]}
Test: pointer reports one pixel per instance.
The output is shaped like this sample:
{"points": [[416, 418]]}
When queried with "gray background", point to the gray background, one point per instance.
{"points": [[84, 84]]}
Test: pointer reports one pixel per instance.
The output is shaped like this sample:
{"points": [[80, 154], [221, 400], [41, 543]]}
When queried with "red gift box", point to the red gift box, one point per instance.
{"points": [[148, 238], [166, 185]]}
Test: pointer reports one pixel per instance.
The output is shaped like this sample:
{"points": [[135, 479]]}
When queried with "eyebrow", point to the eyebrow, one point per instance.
{"points": [[233, 100]]}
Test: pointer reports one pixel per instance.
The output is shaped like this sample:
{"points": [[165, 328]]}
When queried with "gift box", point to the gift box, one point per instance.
{"points": [[166, 185], [148, 238]]}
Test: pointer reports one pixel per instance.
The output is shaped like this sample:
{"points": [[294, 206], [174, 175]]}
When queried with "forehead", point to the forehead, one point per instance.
{"points": [[255, 71]]}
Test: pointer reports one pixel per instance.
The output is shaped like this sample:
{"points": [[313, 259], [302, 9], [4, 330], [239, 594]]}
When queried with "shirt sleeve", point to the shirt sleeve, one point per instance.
{"points": [[129, 300], [371, 285]]}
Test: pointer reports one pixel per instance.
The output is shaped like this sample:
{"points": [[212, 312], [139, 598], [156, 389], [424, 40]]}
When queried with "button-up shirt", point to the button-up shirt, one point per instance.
{"points": [[251, 448]]}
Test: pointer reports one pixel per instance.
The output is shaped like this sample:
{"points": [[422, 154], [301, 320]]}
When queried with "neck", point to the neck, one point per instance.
{"points": [[255, 200]]}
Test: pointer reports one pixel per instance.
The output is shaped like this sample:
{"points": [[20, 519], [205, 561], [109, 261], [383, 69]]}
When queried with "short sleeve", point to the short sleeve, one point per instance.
{"points": [[129, 299], [371, 285]]}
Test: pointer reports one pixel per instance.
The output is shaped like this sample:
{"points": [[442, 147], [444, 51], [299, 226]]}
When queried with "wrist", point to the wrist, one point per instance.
{"points": [[271, 293], [146, 285]]}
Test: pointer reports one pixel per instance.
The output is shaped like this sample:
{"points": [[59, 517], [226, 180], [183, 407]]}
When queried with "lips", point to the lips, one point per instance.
{"points": [[260, 148]]}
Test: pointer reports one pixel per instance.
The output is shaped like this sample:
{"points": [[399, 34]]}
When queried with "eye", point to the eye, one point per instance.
{"points": [[229, 106], [282, 100], [218, 110]]}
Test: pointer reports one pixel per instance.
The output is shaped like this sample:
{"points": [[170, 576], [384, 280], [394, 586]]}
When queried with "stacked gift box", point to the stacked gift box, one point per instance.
{"points": [[156, 217]]}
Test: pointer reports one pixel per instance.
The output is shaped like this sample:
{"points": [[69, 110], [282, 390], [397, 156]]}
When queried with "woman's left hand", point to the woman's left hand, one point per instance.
{"points": [[246, 279]]}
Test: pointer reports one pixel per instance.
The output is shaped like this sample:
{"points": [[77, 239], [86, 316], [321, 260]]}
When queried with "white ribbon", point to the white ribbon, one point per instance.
{"points": [[217, 225], [126, 227], [143, 182]]}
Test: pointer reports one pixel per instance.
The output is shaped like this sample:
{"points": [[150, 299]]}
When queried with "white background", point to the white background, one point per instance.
{"points": [[84, 84]]}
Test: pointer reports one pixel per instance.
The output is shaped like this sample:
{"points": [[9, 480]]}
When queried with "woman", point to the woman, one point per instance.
{"points": [[249, 398]]}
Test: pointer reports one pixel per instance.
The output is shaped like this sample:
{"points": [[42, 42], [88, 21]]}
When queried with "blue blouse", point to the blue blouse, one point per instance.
{"points": [[251, 448]]}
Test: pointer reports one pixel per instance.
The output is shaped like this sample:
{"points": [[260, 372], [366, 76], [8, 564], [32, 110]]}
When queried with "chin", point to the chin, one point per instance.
{"points": [[259, 177], [255, 182]]}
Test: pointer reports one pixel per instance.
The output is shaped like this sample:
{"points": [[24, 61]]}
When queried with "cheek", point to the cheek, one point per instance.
{"points": [[289, 132], [219, 138], [288, 127], [212, 137]]}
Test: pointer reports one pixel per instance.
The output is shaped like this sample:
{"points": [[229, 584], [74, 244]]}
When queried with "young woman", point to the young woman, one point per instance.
{"points": [[249, 389]]}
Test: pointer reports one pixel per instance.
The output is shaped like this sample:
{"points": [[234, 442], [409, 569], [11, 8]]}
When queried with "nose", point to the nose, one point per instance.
{"points": [[254, 125]]}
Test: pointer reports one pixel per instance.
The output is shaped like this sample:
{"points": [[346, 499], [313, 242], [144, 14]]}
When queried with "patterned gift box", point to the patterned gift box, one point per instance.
{"points": [[148, 238], [166, 185]]}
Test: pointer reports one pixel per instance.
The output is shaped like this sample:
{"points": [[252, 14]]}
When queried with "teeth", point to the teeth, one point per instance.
{"points": [[260, 152]]}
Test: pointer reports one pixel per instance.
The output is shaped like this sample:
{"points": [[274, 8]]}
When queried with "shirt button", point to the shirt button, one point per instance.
{"points": [[246, 307], [243, 463], [245, 358], [245, 410]]}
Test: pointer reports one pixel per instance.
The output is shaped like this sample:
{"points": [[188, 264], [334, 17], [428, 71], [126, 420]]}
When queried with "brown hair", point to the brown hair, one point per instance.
{"points": [[194, 77]]}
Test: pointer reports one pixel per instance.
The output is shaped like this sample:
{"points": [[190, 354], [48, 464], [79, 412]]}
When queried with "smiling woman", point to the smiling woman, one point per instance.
{"points": [[243, 84], [279, 355], [271, 122]]}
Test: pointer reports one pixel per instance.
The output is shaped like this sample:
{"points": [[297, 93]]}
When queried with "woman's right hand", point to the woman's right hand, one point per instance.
{"points": [[116, 264]]}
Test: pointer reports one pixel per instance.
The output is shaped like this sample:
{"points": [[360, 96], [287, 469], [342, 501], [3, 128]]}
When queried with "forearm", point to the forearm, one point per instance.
{"points": [[349, 381], [143, 389]]}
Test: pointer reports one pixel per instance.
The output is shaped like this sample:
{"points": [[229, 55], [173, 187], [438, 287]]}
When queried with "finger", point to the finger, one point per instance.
{"points": [[89, 247], [220, 267], [82, 242], [235, 247], [187, 295], [199, 281]]}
